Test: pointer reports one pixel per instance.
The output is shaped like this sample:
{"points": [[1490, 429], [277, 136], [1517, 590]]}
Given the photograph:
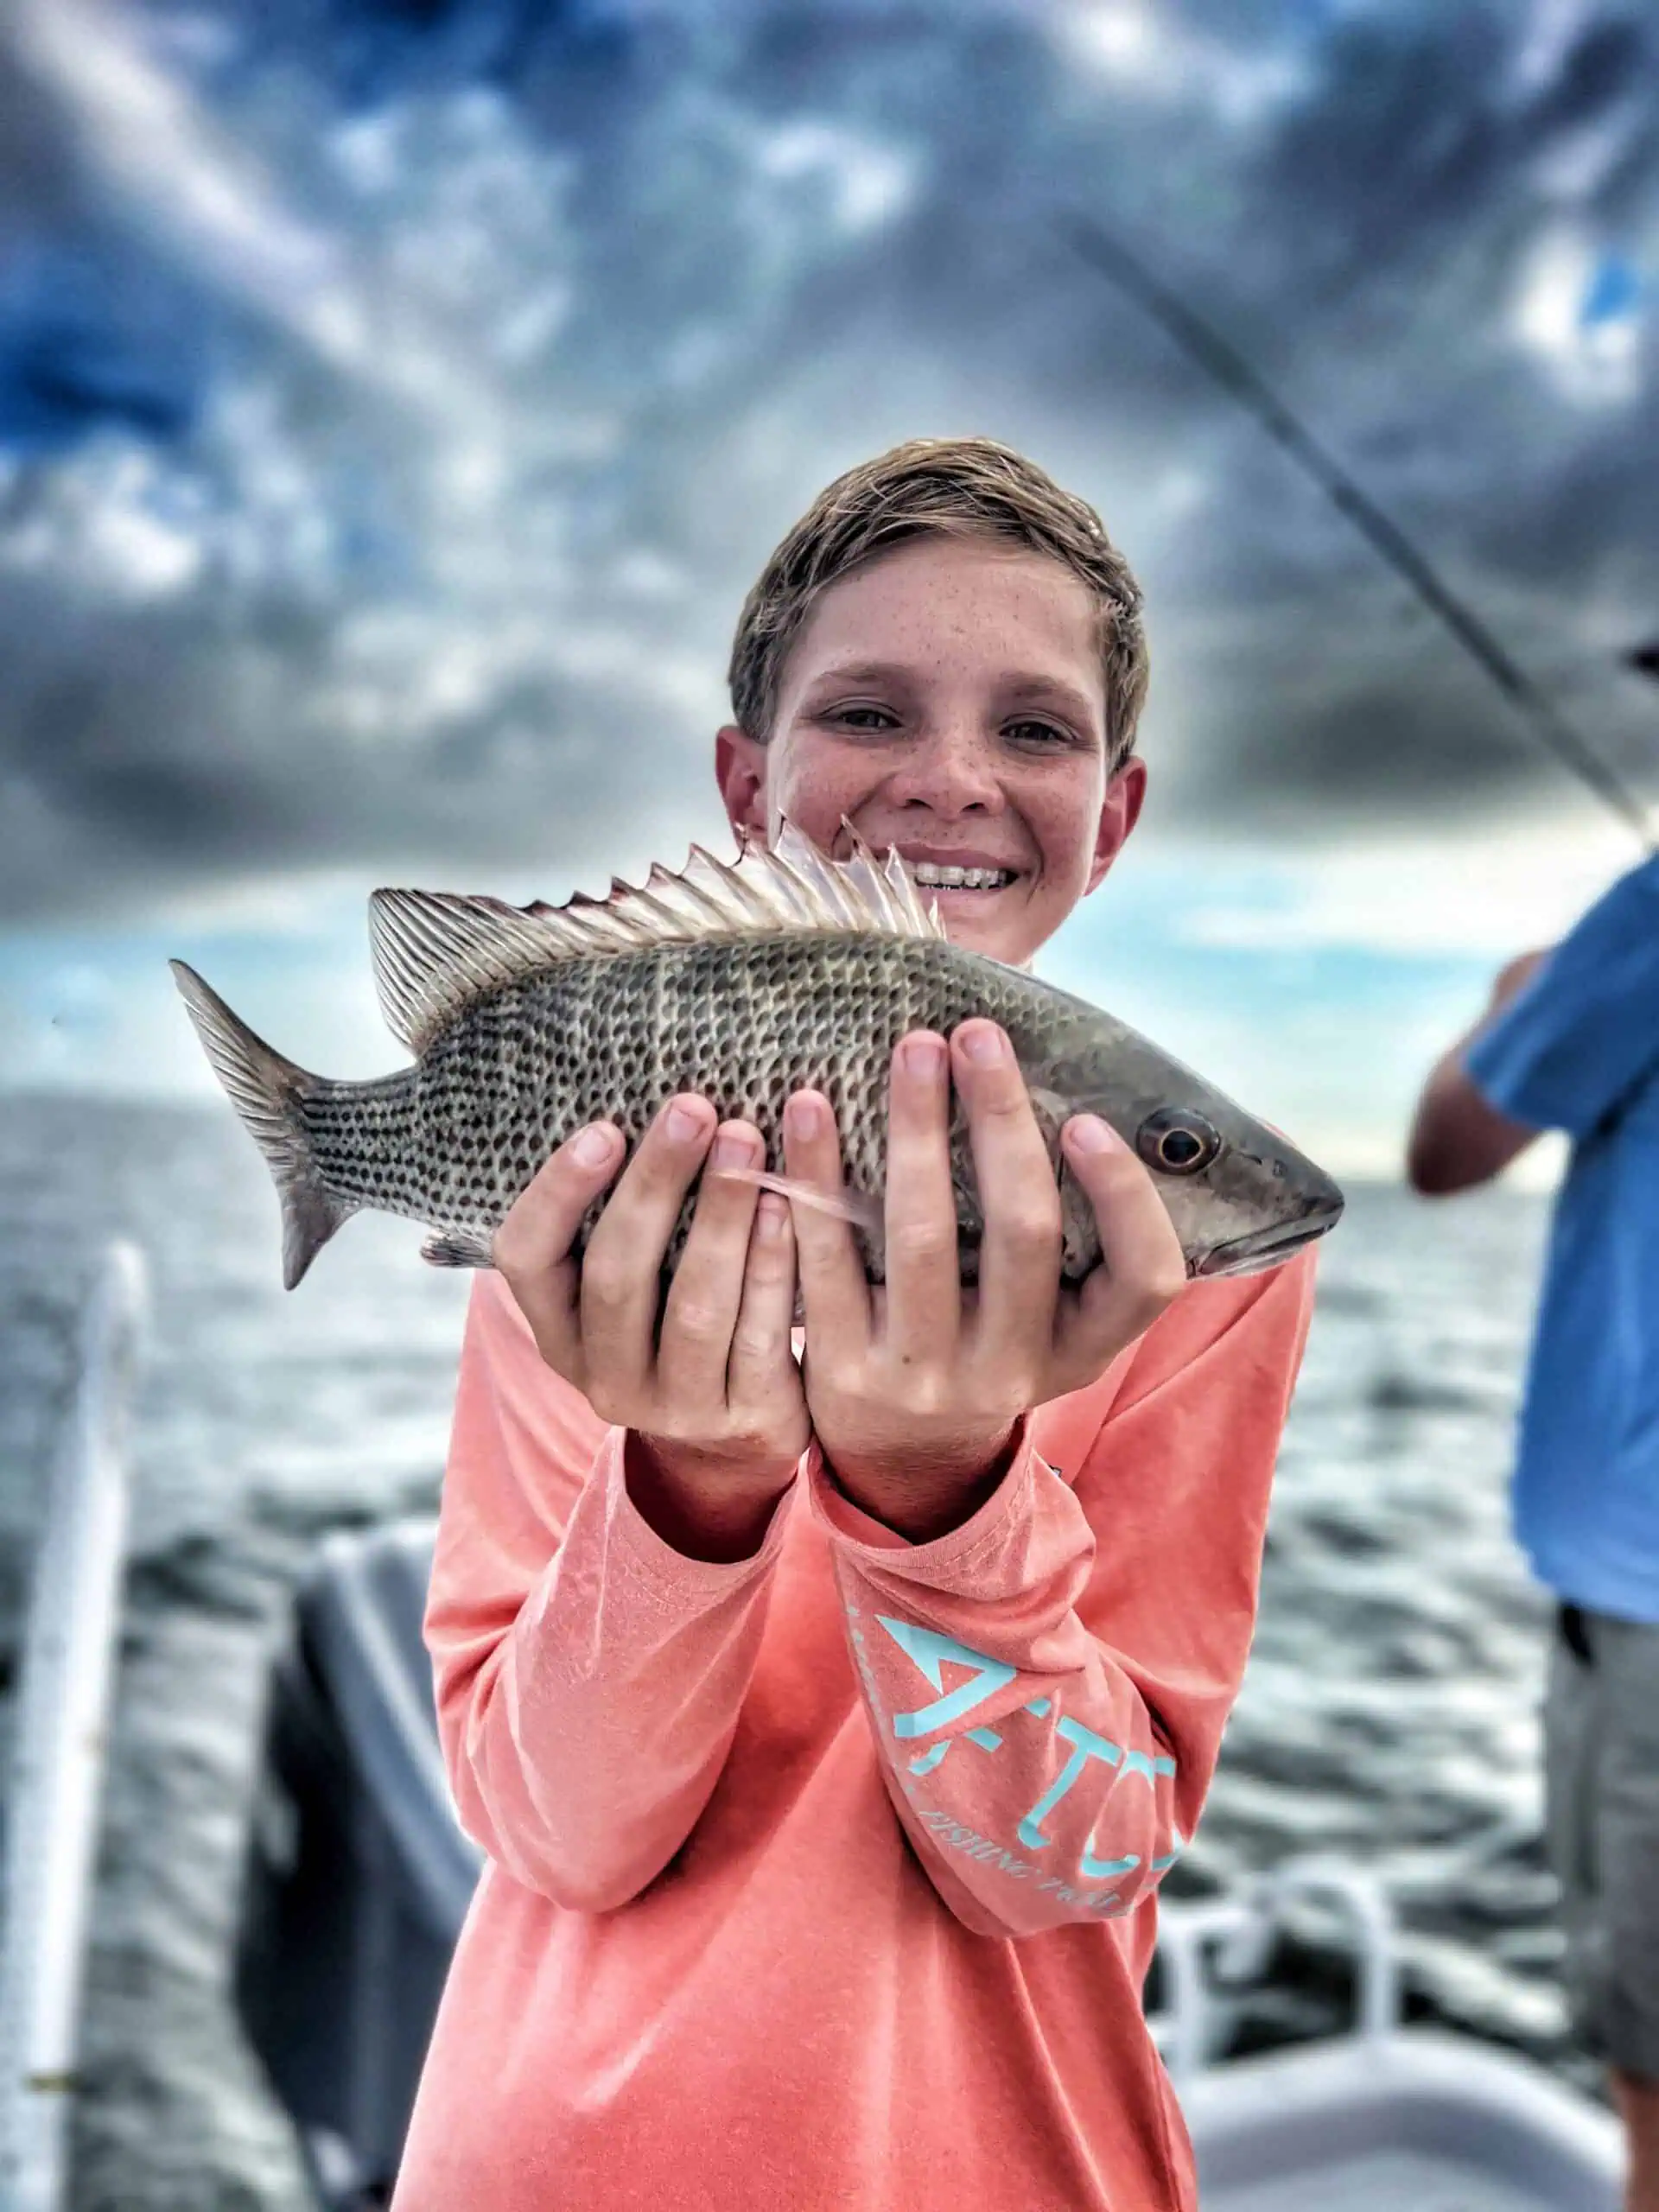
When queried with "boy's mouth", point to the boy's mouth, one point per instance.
{"points": [[931, 875]]}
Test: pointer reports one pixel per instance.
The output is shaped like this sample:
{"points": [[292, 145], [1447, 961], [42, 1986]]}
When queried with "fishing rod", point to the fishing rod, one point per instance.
{"points": [[1114, 261]]}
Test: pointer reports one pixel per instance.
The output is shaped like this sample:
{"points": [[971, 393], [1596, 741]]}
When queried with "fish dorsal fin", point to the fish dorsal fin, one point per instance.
{"points": [[436, 953]]}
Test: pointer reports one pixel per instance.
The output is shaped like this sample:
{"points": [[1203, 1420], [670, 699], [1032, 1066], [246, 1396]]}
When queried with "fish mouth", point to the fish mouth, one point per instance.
{"points": [[1266, 1248]]}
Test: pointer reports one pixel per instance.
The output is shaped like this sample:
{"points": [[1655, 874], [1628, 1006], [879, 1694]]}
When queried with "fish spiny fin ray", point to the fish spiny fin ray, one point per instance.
{"points": [[437, 953]]}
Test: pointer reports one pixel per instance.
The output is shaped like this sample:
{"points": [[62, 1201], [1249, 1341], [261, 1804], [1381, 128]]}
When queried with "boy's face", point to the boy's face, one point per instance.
{"points": [[948, 699]]}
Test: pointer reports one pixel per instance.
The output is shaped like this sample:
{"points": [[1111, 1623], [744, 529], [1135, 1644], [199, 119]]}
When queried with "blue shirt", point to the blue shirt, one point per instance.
{"points": [[1578, 1049]]}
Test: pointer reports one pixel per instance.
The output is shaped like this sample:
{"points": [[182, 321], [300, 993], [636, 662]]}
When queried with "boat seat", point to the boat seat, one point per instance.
{"points": [[357, 1875]]}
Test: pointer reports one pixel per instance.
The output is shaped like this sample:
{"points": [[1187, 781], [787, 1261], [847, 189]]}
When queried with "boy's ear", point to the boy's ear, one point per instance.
{"points": [[1120, 811], [741, 772]]}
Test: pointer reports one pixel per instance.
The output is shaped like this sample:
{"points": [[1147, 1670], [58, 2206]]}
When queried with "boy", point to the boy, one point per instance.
{"points": [[828, 1725]]}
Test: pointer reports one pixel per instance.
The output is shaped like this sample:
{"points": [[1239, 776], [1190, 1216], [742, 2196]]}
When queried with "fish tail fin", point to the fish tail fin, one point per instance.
{"points": [[267, 1092]]}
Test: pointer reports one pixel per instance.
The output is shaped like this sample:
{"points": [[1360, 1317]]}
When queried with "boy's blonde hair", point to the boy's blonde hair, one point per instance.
{"points": [[946, 487]]}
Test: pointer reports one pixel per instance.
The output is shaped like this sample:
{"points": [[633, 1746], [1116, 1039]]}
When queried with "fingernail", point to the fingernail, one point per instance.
{"points": [[806, 1116], [733, 1148], [923, 1055], [592, 1148], [684, 1122], [982, 1043], [1090, 1134], [772, 1218]]}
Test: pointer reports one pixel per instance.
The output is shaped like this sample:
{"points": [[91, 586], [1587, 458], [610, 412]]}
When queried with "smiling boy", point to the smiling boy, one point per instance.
{"points": [[827, 1724]]}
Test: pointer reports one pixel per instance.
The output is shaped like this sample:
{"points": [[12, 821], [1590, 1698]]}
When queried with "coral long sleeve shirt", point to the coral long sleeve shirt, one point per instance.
{"points": [[826, 1879]]}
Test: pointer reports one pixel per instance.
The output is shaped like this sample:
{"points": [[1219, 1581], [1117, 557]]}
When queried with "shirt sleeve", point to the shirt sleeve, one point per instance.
{"points": [[1046, 1686], [1584, 1030], [588, 1677]]}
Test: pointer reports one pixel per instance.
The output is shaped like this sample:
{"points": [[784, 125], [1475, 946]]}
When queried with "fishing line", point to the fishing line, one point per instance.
{"points": [[1113, 260]]}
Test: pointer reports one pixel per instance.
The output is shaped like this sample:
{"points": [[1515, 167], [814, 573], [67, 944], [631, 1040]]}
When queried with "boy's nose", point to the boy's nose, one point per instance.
{"points": [[952, 771]]}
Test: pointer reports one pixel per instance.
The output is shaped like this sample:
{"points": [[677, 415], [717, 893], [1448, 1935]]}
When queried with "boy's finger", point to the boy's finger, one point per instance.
{"points": [[762, 1364], [622, 1268], [923, 1267], [532, 1247], [1143, 1267], [1020, 1250], [700, 1312], [834, 1288]]}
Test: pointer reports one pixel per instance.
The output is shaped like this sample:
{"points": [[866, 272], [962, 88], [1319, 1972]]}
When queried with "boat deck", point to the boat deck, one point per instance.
{"points": [[1384, 2180]]}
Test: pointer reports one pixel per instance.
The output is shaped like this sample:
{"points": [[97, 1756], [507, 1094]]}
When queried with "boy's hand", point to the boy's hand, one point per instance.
{"points": [[713, 1398], [914, 1392]]}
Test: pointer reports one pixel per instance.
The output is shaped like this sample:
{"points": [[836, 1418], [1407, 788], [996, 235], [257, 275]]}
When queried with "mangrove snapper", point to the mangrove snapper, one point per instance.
{"points": [[744, 981]]}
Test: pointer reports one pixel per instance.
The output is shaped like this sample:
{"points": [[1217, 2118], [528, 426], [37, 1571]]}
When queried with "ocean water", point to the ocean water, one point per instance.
{"points": [[1389, 1712]]}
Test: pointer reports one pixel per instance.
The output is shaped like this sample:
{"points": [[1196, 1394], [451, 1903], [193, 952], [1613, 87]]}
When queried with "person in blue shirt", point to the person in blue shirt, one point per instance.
{"points": [[1570, 1041]]}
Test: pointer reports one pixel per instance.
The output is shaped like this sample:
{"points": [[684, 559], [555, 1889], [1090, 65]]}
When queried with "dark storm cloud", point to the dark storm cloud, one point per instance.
{"points": [[232, 776], [574, 309], [37, 156], [81, 346]]}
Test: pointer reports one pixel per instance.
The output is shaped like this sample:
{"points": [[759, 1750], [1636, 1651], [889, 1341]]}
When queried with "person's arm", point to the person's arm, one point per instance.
{"points": [[589, 1674], [1046, 1684], [609, 1520], [1458, 1138], [1570, 1034], [916, 1391]]}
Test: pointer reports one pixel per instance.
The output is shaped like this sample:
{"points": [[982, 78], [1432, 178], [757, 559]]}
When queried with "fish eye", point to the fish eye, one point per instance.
{"points": [[1177, 1141]]}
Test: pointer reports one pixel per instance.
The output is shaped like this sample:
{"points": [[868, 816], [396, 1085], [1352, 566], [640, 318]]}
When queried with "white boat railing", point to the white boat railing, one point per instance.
{"points": [[63, 1701], [1389, 2117], [1209, 1946]]}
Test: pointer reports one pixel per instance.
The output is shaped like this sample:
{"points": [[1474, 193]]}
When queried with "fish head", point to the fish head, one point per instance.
{"points": [[1241, 1197]]}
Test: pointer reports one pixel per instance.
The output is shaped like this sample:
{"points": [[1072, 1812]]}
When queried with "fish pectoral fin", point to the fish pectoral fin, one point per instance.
{"points": [[1052, 1111], [857, 1207], [459, 1248]]}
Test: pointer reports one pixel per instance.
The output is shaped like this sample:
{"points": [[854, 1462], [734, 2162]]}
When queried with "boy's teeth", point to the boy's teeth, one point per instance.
{"points": [[930, 877]]}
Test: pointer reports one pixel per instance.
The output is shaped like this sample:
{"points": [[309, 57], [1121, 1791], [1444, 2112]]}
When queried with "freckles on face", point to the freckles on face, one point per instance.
{"points": [[948, 700]]}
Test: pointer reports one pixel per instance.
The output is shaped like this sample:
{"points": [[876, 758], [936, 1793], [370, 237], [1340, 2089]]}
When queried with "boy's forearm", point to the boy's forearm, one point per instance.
{"points": [[1001, 1721], [923, 1500], [707, 1511], [1046, 1689], [589, 1673], [584, 1737], [698, 1503]]}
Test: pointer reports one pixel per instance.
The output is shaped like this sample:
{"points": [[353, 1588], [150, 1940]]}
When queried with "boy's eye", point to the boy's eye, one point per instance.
{"points": [[1029, 731], [863, 718]]}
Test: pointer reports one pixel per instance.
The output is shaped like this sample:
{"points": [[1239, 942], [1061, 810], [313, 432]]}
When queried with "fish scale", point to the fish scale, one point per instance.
{"points": [[743, 983], [455, 1139]]}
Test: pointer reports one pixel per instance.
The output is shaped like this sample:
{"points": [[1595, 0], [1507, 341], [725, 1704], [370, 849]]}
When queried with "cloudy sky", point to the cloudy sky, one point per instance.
{"points": [[395, 401]]}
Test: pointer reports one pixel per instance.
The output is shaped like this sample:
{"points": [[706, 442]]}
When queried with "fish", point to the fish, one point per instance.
{"points": [[744, 980]]}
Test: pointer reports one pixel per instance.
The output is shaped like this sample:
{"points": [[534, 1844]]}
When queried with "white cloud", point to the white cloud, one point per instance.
{"points": [[1117, 36], [1490, 894], [1593, 356], [1545, 45], [1147, 48], [866, 183]]}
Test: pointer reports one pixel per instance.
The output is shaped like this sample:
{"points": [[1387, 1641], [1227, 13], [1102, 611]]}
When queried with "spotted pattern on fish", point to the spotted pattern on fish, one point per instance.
{"points": [[745, 1023]]}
